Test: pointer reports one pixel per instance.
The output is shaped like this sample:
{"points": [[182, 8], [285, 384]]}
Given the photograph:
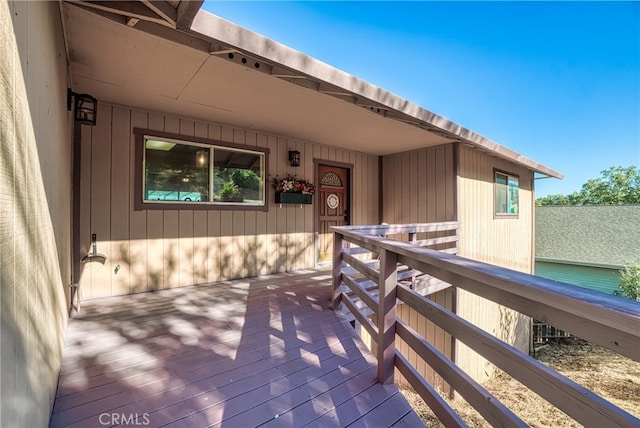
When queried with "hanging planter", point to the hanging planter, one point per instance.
{"points": [[290, 190], [293, 198]]}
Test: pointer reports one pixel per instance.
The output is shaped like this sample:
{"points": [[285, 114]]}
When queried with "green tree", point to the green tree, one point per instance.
{"points": [[630, 282], [558, 199], [246, 179], [617, 185]]}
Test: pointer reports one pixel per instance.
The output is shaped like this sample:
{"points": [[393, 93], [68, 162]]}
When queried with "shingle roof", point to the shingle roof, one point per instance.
{"points": [[593, 234]]}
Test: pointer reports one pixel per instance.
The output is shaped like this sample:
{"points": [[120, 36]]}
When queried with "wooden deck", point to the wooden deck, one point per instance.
{"points": [[259, 352]]}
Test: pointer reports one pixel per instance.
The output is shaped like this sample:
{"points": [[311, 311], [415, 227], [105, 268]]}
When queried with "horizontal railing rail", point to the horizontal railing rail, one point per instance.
{"points": [[609, 321]]}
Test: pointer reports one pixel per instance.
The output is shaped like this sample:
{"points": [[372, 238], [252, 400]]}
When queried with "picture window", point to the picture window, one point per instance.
{"points": [[198, 174]]}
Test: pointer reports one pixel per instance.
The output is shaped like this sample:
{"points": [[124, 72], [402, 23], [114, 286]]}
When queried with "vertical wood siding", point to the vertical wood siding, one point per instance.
{"points": [[433, 334], [157, 249], [456, 183], [506, 242], [419, 187], [482, 237], [35, 209]]}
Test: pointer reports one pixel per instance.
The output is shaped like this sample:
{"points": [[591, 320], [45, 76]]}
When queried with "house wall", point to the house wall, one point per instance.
{"points": [[454, 182], [35, 209], [506, 242], [600, 279], [433, 334], [427, 329], [419, 187], [156, 249]]}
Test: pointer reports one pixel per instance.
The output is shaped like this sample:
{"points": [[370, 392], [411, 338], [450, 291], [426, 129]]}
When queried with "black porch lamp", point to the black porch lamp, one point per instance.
{"points": [[86, 107], [294, 157]]}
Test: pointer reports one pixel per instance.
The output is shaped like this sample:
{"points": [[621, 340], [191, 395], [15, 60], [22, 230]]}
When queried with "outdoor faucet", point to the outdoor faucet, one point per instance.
{"points": [[93, 255]]}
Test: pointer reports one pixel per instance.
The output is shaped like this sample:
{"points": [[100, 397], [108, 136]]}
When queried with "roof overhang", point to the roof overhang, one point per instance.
{"points": [[173, 58]]}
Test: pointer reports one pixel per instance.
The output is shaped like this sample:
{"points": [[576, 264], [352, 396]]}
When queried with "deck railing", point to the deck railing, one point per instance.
{"points": [[379, 273]]}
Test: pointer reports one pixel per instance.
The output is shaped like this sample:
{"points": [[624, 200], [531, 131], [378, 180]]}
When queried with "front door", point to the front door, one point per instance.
{"points": [[332, 206]]}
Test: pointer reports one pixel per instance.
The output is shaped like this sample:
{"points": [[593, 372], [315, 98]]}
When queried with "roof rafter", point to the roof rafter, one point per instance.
{"points": [[162, 9], [130, 9], [219, 38]]}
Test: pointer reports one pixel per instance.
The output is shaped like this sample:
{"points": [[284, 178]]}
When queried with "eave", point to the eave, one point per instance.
{"points": [[218, 71]]}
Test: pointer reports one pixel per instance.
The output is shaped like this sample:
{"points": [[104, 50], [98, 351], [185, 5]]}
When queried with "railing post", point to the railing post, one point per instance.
{"points": [[412, 239], [336, 273], [387, 315]]}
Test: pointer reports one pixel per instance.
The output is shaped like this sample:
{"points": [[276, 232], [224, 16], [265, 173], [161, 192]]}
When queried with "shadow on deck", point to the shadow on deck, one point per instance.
{"points": [[263, 351]]}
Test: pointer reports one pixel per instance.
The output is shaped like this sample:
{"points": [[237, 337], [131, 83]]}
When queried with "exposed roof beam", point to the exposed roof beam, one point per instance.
{"points": [[131, 9], [162, 9], [333, 90], [186, 12], [282, 72], [304, 82], [289, 76], [336, 93], [213, 35], [372, 106], [222, 51], [150, 26]]}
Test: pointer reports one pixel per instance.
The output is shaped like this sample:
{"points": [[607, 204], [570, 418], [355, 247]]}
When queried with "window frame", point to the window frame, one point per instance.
{"points": [[141, 205], [509, 175]]}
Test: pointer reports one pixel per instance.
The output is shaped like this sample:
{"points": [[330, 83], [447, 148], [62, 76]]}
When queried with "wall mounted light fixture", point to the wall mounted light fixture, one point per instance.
{"points": [[86, 107], [294, 157]]}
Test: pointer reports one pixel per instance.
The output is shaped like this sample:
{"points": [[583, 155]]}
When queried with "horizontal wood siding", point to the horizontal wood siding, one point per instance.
{"points": [[159, 249], [593, 278], [506, 242], [35, 209]]}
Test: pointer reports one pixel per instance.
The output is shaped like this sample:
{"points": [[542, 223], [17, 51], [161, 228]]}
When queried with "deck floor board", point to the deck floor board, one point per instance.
{"points": [[266, 351]]}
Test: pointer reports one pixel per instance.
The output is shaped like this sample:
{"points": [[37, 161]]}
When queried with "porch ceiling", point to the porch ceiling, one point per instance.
{"points": [[188, 73]]}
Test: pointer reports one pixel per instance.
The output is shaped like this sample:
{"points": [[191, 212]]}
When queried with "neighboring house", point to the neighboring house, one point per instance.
{"points": [[587, 245], [187, 100]]}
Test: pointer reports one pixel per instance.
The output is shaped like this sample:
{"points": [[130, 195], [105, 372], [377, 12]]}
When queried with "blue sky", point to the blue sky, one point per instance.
{"points": [[558, 82]]}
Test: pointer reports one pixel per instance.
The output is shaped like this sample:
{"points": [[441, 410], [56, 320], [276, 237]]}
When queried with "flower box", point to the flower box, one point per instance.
{"points": [[293, 198]]}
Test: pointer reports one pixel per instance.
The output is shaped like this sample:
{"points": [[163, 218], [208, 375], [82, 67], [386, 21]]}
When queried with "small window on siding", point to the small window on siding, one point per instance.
{"points": [[201, 174], [506, 194]]}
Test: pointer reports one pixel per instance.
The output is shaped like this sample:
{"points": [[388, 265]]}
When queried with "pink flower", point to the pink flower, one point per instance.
{"points": [[290, 184]]}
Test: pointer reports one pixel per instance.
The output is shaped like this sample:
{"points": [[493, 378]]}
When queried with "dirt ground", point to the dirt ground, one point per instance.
{"points": [[613, 377]]}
